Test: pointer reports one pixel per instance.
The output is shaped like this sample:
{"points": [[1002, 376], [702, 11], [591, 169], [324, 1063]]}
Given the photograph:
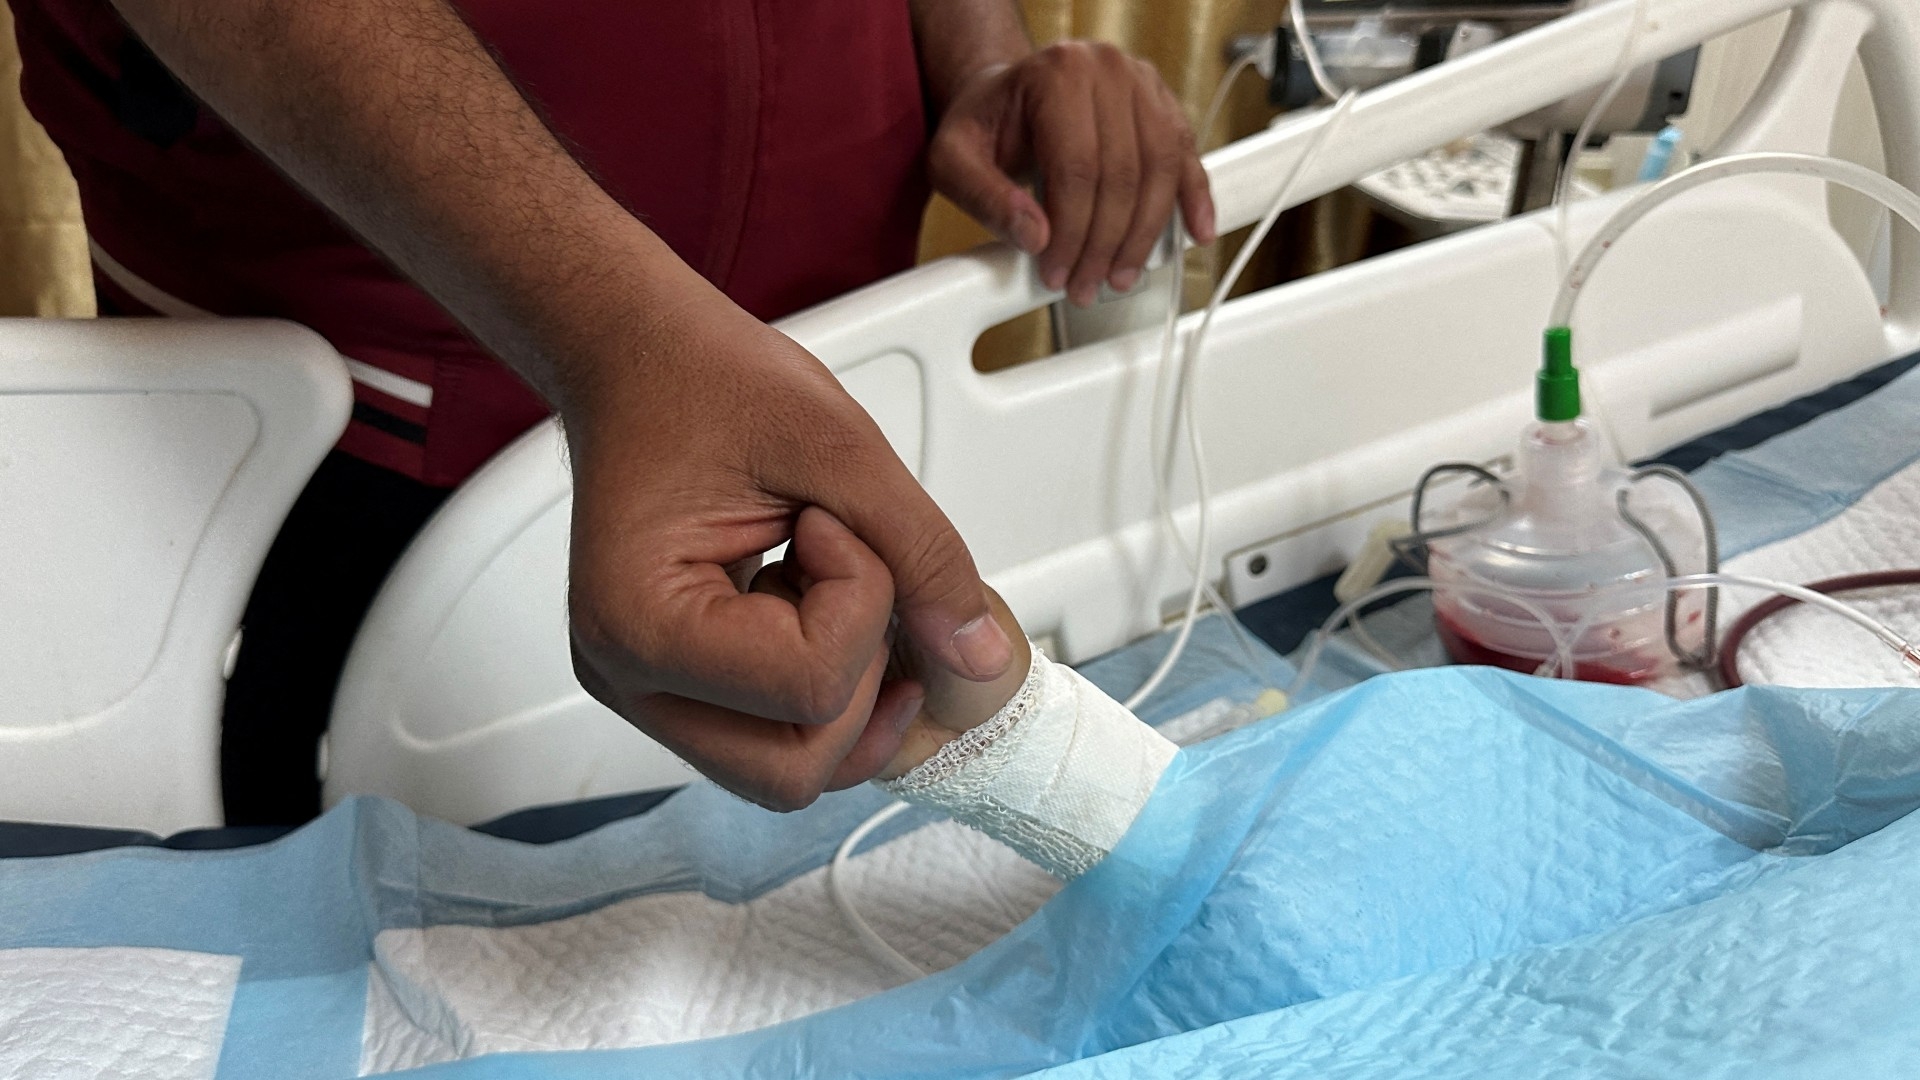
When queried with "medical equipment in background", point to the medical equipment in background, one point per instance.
{"points": [[1566, 535], [1369, 43], [1562, 534], [1487, 176]]}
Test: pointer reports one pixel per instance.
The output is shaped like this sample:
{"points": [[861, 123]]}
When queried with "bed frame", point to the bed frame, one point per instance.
{"points": [[1320, 402]]}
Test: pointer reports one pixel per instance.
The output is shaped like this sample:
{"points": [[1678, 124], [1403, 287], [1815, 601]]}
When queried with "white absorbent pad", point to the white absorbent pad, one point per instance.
{"points": [[676, 966], [1807, 647], [1059, 774], [157, 1014]]}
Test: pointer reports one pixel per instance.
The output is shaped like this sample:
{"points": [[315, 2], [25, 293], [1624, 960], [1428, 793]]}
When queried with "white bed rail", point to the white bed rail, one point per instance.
{"points": [[145, 466], [1320, 401]]}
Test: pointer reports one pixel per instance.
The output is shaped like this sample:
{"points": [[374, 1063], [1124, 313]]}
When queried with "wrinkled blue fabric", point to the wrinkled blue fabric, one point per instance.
{"points": [[1448, 872], [1454, 872]]}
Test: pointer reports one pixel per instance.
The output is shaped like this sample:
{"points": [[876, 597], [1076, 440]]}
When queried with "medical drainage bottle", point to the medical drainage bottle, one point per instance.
{"points": [[1557, 541]]}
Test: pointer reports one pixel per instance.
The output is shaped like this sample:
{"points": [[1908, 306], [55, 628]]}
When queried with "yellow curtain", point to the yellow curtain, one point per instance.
{"points": [[43, 246]]}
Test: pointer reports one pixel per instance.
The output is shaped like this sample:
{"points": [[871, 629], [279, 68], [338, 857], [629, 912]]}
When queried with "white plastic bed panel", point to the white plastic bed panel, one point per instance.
{"points": [[145, 466], [1320, 402]]}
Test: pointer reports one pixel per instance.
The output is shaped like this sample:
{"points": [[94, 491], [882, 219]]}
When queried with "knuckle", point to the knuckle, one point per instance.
{"points": [[1074, 174], [792, 790], [1063, 55], [1165, 164], [942, 574], [928, 556], [825, 697], [625, 644], [588, 676], [943, 154]]}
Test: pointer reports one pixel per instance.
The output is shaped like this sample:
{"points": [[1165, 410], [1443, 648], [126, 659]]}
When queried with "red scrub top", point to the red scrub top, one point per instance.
{"points": [[774, 144]]}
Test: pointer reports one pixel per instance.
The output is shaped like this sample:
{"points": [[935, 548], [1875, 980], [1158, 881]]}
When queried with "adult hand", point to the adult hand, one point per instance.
{"points": [[700, 437], [1108, 141], [733, 439]]}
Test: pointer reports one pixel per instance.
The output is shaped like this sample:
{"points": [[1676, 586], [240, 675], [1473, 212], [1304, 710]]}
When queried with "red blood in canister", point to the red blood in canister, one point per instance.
{"points": [[1464, 648]]}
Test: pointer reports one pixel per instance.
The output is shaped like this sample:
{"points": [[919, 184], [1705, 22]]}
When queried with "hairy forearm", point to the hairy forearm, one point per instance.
{"points": [[959, 38], [394, 116]]}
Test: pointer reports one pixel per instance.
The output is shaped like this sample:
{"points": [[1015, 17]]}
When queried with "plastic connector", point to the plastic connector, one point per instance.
{"points": [[1559, 382]]}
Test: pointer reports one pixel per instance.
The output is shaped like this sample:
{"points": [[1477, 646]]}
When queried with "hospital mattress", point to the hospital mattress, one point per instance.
{"points": [[1439, 873]]}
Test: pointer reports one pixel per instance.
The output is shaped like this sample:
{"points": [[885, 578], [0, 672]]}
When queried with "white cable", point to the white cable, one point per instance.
{"points": [[1204, 136], [1900, 200], [1202, 586], [1162, 459], [1185, 382], [876, 945], [1623, 68], [1297, 14], [1161, 454]]}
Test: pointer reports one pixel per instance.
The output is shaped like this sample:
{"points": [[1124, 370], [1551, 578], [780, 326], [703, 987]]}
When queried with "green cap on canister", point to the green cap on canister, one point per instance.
{"points": [[1558, 383]]}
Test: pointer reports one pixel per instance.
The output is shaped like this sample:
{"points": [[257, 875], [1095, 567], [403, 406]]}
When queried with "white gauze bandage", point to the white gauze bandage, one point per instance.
{"points": [[1058, 774]]}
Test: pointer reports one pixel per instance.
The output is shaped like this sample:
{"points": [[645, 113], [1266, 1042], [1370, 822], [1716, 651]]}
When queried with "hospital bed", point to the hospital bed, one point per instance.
{"points": [[1320, 402], [380, 938]]}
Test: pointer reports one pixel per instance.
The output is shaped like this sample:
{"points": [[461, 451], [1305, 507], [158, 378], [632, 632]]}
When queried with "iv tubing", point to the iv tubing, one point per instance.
{"points": [[1202, 586], [1730, 648], [1563, 191], [1881, 189], [1564, 645], [876, 945], [1805, 595], [1562, 662], [1189, 362], [1297, 14], [1162, 459]]}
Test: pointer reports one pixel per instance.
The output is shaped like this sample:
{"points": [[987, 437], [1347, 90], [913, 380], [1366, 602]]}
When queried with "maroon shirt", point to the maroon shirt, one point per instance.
{"points": [[774, 144]]}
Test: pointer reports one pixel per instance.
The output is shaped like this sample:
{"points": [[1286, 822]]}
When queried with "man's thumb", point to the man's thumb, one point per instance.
{"points": [[937, 591]]}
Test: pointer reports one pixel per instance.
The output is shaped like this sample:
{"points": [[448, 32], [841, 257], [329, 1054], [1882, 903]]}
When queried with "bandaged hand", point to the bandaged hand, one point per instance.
{"points": [[1040, 759]]}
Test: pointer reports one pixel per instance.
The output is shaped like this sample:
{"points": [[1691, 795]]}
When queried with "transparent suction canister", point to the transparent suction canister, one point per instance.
{"points": [[1575, 534]]}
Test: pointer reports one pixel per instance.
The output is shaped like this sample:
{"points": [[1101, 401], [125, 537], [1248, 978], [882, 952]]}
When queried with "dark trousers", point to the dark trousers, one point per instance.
{"points": [[342, 537]]}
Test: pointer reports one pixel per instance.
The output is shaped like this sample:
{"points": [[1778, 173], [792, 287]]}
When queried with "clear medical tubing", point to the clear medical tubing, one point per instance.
{"points": [[1878, 629], [1563, 191], [1859, 178], [1176, 297], [1564, 662], [1730, 648]]}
